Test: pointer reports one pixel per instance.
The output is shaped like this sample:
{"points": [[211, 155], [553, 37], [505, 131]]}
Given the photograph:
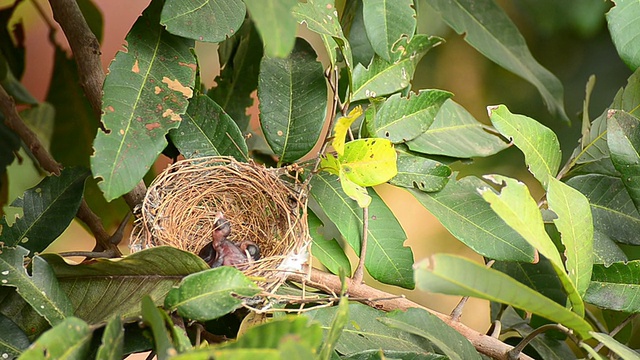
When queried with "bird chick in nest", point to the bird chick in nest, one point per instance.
{"points": [[224, 252]]}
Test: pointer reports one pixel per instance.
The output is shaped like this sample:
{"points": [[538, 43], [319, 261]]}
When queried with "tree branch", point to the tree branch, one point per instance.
{"points": [[48, 163], [85, 47], [373, 297]]}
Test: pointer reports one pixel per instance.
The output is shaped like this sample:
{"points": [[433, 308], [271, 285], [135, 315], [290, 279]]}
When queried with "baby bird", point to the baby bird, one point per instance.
{"points": [[223, 252]]}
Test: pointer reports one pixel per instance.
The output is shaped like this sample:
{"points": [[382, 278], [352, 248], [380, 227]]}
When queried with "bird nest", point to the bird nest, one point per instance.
{"points": [[264, 206]]}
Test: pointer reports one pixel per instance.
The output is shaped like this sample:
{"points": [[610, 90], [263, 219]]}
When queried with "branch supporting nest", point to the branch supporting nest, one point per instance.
{"points": [[373, 297]]}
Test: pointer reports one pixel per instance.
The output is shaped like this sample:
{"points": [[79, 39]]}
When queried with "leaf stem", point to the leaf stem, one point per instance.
{"points": [[358, 275], [616, 330], [517, 350]]}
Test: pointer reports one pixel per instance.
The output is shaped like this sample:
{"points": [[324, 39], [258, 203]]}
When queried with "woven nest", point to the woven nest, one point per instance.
{"points": [[266, 206]]}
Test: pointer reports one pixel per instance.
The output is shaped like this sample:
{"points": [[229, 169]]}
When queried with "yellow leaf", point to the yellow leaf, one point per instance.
{"points": [[341, 128]]}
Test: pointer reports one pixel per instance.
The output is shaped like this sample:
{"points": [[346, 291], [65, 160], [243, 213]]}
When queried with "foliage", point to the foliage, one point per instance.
{"points": [[565, 239]]}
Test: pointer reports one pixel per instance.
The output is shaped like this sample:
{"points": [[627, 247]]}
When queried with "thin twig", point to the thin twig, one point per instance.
{"points": [[332, 76], [517, 350], [592, 318], [485, 344], [457, 311], [86, 50], [359, 273], [617, 329]]}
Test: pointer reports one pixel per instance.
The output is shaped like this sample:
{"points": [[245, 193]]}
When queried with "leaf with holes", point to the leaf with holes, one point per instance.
{"points": [[207, 130], [321, 17], [145, 94], [538, 143], [456, 133], [293, 102], [48, 209], [519, 210], [401, 119], [383, 77], [203, 20], [41, 289], [386, 22], [420, 172], [369, 162], [463, 211], [615, 287], [387, 259], [70, 339]]}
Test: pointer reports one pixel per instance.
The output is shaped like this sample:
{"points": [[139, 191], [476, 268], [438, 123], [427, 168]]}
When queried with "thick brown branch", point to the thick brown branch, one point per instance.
{"points": [[15, 123], [85, 47], [48, 163], [373, 297]]}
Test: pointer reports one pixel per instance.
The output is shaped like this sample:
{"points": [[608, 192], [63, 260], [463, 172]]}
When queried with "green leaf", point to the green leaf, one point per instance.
{"points": [[207, 130], [401, 119], [321, 17], [145, 94], [456, 133], [383, 77], [154, 318], [454, 275], [272, 334], [369, 162], [118, 286], [420, 322], [210, 294], [623, 20], [12, 85], [363, 332], [616, 287], [112, 340], [40, 120], [230, 354], [605, 251], [239, 76], [519, 210], [293, 102], [423, 173], [48, 209], [329, 252], [389, 354], [357, 35], [493, 34], [203, 20], [621, 350], [463, 211], [74, 128], [69, 339], [41, 290], [387, 260], [623, 138], [93, 16], [13, 341], [613, 211], [386, 22], [575, 223], [538, 143], [353, 190], [335, 330], [275, 23]]}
